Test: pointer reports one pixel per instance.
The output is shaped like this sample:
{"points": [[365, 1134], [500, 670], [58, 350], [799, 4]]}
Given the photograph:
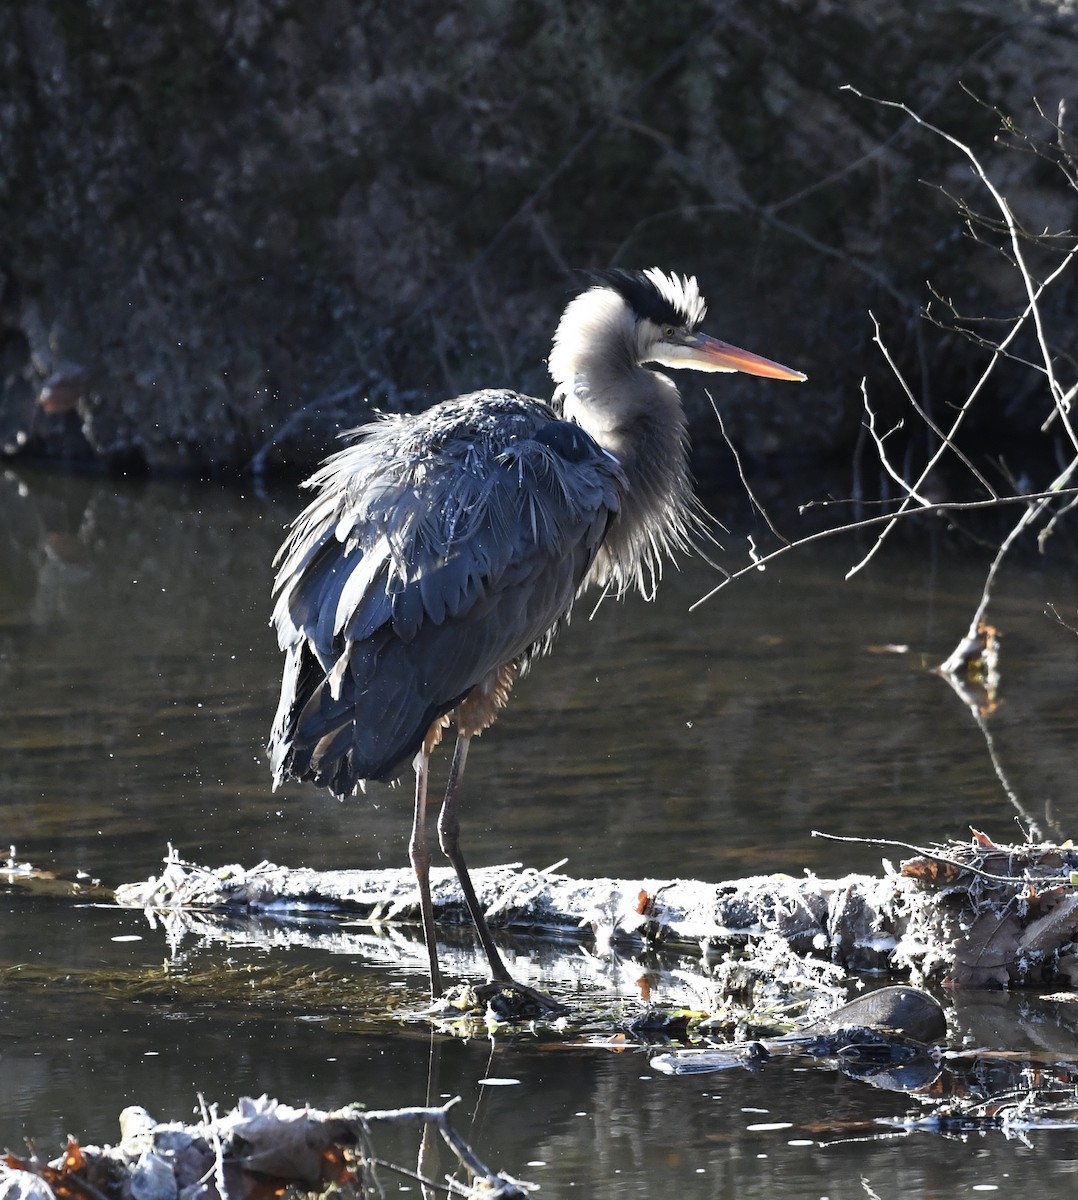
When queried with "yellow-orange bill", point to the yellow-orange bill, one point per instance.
{"points": [[709, 354]]}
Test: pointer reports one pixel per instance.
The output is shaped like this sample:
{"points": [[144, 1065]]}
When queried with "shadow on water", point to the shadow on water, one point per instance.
{"points": [[137, 679]]}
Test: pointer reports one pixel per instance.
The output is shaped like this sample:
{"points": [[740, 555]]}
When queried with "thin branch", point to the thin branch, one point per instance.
{"points": [[881, 450], [871, 522], [741, 471], [920, 411], [1050, 528], [495, 1183], [955, 659], [960, 417], [1014, 233], [451, 1187], [1014, 880]]}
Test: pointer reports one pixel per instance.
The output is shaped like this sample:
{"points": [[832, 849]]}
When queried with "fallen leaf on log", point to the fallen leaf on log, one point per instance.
{"points": [[987, 956], [1056, 928], [931, 872]]}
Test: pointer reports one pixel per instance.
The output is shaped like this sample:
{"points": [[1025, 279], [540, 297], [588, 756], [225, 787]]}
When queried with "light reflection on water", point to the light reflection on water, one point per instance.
{"points": [[138, 676]]}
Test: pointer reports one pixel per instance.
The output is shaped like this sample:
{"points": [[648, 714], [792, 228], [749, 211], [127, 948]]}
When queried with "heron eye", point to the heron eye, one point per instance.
{"points": [[668, 331]]}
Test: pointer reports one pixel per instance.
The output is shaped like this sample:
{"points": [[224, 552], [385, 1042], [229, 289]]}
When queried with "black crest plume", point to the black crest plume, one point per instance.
{"points": [[664, 299]]}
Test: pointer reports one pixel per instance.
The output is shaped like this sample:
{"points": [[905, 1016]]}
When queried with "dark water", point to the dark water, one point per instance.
{"points": [[137, 680]]}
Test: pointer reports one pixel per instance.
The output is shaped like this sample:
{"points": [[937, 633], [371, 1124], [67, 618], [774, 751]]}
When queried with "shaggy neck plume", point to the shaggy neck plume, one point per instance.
{"points": [[636, 415]]}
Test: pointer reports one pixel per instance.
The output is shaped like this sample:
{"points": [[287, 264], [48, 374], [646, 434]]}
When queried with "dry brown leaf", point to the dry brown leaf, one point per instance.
{"points": [[985, 956], [1054, 929], [64, 1181], [930, 871]]}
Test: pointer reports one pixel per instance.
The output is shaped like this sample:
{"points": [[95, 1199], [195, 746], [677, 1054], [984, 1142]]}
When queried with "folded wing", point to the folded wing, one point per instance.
{"points": [[437, 549]]}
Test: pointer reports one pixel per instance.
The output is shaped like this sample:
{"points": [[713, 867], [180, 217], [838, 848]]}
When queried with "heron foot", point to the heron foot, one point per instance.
{"points": [[512, 1001]]}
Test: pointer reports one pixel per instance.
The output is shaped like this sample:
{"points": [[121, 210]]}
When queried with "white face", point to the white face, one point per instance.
{"points": [[681, 357], [685, 349]]}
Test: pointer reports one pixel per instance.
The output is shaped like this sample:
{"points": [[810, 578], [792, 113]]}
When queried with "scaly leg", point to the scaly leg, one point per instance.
{"points": [[448, 835], [419, 854], [448, 839]]}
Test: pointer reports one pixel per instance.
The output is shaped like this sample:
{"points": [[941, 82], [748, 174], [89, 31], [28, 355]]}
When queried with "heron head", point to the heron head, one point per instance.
{"points": [[653, 317], [668, 309]]}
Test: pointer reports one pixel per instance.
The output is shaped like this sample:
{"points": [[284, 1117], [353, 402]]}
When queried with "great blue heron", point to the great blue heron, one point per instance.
{"points": [[442, 552]]}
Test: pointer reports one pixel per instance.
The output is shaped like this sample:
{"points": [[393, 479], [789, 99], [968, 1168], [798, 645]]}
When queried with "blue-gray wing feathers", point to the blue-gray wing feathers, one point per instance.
{"points": [[437, 549]]}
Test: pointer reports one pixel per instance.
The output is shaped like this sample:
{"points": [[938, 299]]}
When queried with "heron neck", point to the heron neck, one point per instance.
{"points": [[625, 412], [639, 420]]}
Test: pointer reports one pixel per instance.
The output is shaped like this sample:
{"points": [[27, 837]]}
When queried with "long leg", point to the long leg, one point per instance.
{"points": [[448, 836], [419, 854]]}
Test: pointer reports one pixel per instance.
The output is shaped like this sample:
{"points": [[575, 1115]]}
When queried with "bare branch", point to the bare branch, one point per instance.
{"points": [[741, 471], [871, 522], [922, 413], [924, 852], [1061, 399], [1032, 292]]}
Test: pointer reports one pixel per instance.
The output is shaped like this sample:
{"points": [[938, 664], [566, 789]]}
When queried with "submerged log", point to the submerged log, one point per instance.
{"points": [[964, 915]]}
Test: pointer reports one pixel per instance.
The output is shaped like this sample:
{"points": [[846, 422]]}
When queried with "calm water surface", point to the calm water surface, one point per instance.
{"points": [[137, 680]]}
